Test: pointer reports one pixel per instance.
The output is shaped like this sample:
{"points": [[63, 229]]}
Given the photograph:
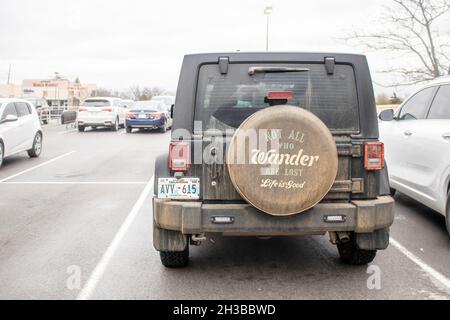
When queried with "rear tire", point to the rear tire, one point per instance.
{"points": [[392, 191], [115, 126], [2, 152], [172, 259], [35, 151], [447, 214], [129, 129], [352, 255], [81, 128]]}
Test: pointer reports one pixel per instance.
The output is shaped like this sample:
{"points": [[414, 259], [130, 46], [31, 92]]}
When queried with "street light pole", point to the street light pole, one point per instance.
{"points": [[267, 12]]}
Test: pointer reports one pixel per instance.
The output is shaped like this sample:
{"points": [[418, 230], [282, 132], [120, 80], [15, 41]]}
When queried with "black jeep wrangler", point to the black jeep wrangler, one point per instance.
{"points": [[273, 144]]}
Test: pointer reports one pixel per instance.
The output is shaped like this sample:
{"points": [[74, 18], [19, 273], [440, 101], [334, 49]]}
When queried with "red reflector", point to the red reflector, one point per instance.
{"points": [[107, 109], [274, 95], [374, 156], [81, 109], [131, 115], [179, 156]]}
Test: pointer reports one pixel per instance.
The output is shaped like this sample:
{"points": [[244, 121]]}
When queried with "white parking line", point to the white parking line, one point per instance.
{"points": [[77, 182], [68, 131], [37, 166], [440, 280], [99, 270]]}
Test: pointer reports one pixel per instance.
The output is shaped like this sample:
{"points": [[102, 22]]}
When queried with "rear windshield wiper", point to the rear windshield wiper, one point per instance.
{"points": [[254, 70]]}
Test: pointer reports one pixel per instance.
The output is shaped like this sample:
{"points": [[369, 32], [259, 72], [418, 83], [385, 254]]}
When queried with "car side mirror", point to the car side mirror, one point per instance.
{"points": [[10, 118], [171, 110], [386, 115]]}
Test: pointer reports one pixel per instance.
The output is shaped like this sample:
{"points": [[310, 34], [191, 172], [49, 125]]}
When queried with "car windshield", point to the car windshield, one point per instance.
{"points": [[148, 106], [97, 103], [225, 101]]}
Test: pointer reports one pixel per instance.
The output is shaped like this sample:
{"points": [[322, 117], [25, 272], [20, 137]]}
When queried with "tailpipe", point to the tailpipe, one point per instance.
{"points": [[344, 237]]}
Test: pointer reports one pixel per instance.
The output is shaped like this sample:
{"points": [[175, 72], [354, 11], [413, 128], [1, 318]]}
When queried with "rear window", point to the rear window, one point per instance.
{"points": [[225, 101], [97, 103], [148, 105]]}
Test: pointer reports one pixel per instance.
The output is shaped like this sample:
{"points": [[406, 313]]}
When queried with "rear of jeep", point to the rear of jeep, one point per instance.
{"points": [[304, 186]]}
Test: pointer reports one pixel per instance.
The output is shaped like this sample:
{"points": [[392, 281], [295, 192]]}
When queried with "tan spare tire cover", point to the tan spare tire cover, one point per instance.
{"points": [[290, 167]]}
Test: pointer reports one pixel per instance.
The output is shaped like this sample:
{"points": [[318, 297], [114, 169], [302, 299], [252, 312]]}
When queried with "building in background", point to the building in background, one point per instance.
{"points": [[58, 92]]}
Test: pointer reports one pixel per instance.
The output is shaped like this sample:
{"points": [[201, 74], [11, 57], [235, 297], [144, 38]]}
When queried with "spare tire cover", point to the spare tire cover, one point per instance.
{"points": [[290, 167]]}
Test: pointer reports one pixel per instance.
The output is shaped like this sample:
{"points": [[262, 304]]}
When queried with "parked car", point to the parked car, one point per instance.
{"points": [[129, 104], [417, 146], [148, 115], [20, 129], [305, 127], [101, 112], [42, 108], [169, 102]]}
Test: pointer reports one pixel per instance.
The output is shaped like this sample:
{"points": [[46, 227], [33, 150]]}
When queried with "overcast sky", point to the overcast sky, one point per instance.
{"points": [[115, 44]]}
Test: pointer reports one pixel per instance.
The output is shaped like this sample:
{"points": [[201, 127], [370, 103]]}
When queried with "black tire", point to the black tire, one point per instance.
{"points": [[81, 128], [36, 149], [115, 126], [352, 255], [2, 152], [172, 259], [129, 129], [392, 191], [447, 214]]}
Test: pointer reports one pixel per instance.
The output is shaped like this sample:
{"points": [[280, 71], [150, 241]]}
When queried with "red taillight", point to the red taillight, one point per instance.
{"points": [[154, 115], [131, 115], [107, 109], [82, 109], [179, 156], [374, 156], [284, 95]]}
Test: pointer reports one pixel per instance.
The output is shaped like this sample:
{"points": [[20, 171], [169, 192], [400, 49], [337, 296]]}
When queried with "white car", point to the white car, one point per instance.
{"points": [[20, 129], [168, 101], [417, 146], [101, 112]]}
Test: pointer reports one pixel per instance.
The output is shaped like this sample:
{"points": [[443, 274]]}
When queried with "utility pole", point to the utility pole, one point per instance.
{"points": [[9, 75], [267, 12]]}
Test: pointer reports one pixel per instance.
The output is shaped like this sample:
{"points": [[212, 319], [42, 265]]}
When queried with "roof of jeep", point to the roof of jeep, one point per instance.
{"points": [[282, 56], [274, 53]]}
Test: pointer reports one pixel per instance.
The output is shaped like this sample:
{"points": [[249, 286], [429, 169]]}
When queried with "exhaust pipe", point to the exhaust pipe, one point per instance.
{"points": [[344, 237]]}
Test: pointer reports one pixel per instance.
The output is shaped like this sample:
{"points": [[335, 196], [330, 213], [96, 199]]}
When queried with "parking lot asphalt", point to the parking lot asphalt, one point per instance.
{"points": [[76, 224]]}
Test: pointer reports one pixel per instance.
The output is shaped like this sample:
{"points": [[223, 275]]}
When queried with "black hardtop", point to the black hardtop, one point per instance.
{"points": [[187, 86]]}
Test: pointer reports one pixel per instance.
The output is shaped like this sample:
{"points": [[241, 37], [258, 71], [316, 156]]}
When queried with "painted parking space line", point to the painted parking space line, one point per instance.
{"points": [[37, 166], [76, 182], [437, 278], [68, 131], [99, 270]]}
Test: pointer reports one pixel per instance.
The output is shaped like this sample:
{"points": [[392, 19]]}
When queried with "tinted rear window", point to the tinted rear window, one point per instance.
{"points": [[97, 103], [225, 101]]}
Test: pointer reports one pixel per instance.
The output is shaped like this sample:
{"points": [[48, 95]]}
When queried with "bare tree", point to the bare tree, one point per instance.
{"points": [[410, 28], [146, 93]]}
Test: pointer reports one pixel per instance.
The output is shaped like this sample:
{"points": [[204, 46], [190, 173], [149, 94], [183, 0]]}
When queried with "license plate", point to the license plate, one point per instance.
{"points": [[142, 116], [179, 189]]}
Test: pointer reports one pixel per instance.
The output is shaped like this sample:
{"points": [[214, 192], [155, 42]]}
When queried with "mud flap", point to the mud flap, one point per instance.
{"points": [[378, 240], [168, 240]]}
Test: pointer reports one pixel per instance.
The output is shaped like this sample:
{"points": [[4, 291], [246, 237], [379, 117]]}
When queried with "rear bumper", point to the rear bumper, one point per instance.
{"points": [[97, 121], [144, 123], [197, 218]]}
